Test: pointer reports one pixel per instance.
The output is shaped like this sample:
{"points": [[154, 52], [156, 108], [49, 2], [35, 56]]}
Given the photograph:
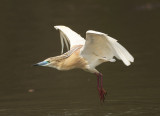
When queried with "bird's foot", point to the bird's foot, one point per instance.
{"points": [[102, 93]]}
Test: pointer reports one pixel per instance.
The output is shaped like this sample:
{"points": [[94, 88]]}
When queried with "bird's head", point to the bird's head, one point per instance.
{"points": [[49, 62]]}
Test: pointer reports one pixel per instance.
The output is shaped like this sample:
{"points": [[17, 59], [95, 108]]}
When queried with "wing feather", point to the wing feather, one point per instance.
{"points": [[122, 49], [103, 46], [63, 39], [62, 43], [69, 36]]}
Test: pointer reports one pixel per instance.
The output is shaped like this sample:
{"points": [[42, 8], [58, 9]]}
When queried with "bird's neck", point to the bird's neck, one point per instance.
{"points": [[57, 61]]}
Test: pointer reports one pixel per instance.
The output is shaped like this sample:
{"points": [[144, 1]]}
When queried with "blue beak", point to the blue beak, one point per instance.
{"points": [[43, 63]]}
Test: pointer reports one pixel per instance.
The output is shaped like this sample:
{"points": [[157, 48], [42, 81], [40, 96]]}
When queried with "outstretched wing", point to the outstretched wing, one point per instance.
{"points": [[69, 36], [100, 46]]}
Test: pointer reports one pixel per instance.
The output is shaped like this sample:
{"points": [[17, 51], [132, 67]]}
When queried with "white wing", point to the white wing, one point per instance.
{"points": [[100, 46], [69, 36]]}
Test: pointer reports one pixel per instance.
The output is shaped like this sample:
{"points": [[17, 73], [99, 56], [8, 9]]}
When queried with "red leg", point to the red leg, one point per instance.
{"points": [[98, 77], [100, 88]]}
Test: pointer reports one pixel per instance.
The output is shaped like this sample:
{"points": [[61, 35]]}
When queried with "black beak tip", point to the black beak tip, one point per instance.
{"points": [[35, 65]]}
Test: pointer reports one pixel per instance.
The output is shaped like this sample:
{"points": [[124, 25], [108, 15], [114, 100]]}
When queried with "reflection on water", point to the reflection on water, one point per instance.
{"points": [[27, 36]]}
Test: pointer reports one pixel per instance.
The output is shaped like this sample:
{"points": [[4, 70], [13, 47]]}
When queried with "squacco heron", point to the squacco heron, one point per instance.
{"points": [[87, 54]]}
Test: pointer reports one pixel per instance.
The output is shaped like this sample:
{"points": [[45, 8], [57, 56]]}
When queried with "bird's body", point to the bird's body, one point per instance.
{"points": [[87, 54]]}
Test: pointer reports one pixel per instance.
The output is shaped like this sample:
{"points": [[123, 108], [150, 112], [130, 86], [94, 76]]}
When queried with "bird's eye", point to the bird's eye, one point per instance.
{"points": [[48, 61]]}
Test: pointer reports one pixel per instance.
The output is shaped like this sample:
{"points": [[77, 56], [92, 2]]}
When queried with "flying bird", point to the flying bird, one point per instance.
{"points": [[87, 53]]}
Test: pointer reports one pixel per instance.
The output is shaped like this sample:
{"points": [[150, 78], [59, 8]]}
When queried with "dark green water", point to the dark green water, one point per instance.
{"points": [[27, 36]]}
